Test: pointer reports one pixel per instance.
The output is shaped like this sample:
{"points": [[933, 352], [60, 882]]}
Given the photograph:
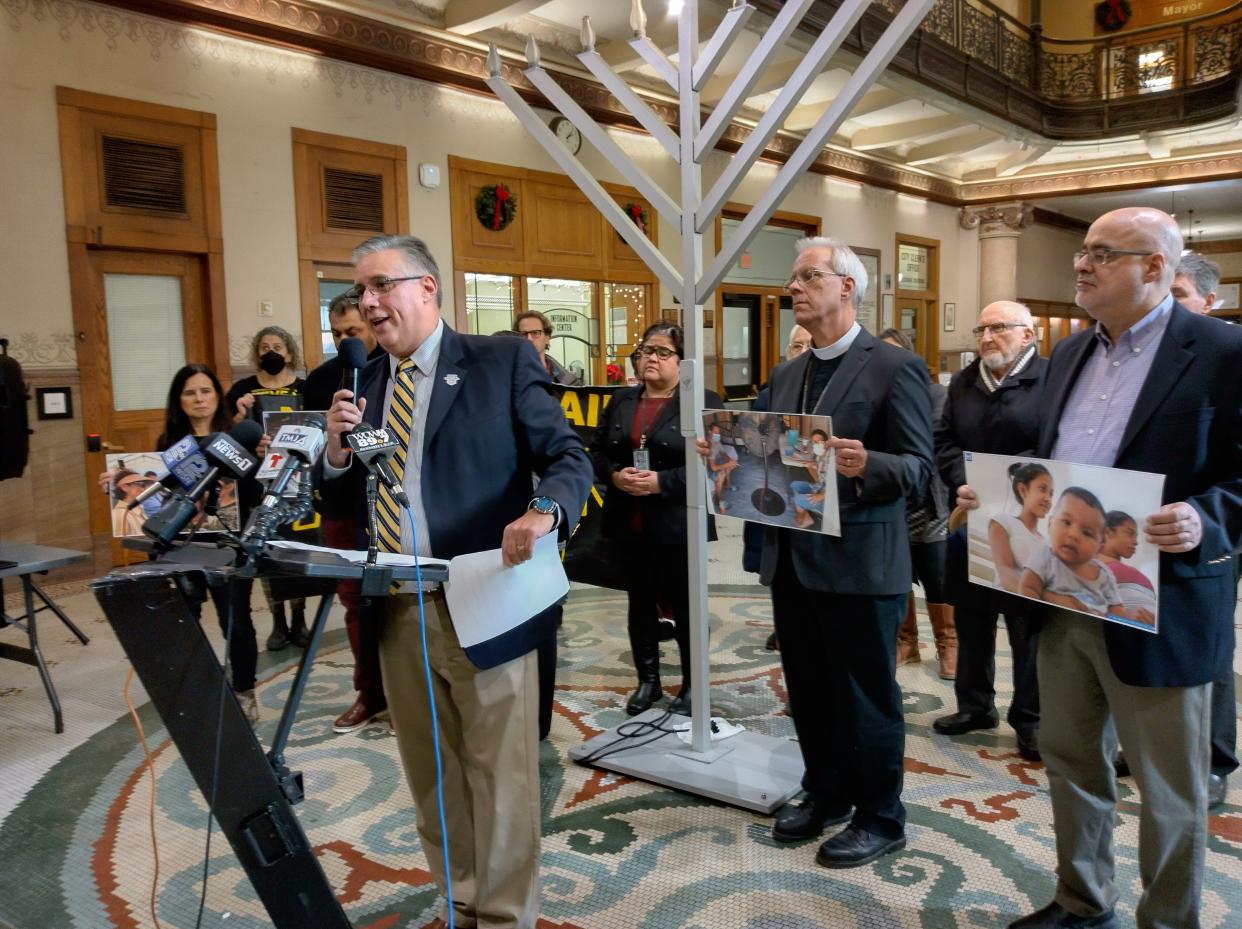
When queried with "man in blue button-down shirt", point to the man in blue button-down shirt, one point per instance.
{"points": [[1151, 387]]}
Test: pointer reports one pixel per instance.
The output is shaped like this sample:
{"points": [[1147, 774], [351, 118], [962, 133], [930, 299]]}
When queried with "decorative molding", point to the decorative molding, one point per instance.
{"points": [[1207, 168], [1000, 219], [44, 350]]}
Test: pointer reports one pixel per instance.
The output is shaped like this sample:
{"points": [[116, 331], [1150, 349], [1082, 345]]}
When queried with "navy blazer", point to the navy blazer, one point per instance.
{"points": [[1187, 425], [492, 422], [878, 395]]}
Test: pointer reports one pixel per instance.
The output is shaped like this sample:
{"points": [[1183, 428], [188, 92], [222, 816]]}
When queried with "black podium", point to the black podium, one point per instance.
{"points": [[250, 792]]}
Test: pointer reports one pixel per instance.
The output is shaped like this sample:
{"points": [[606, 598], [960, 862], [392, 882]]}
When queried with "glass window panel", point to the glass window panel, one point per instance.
{"points": [[787, 324], [625, 308], [569, 306], [489, 303], [146, 338], [329, 290], [739, 326], [768, 257]]}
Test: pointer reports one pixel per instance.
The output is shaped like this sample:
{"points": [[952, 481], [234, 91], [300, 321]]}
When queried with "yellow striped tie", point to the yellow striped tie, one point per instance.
{"points": [[399, 423]]}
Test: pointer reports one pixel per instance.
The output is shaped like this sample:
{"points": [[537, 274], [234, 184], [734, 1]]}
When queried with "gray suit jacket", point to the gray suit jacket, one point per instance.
{"points": [[879, 395]]}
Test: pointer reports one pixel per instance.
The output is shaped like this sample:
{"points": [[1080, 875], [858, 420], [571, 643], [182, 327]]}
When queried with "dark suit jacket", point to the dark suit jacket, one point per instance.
{"points": [[1187, 425], [612, 449], [878, 395], [1003, 422], [492, 422]]}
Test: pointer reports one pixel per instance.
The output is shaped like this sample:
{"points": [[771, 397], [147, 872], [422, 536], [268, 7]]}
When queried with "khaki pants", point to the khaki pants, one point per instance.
{"points": [[1164, 733], [490, 758]]}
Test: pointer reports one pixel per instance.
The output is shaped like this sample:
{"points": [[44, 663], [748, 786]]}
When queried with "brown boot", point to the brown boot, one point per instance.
{"points": [[941, 616], [908, 637]]}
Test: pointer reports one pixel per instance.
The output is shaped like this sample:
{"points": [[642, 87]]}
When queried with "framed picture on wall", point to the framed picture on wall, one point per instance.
{"points": [[870, 258], [950, 317]]}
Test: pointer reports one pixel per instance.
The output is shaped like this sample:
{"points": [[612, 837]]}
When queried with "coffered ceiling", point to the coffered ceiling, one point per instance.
{"points": [[901, 129]]}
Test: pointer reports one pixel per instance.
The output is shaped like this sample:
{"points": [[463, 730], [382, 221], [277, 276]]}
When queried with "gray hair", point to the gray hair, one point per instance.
{"points": [[844, 262], [418, 257], [1203, 273]]}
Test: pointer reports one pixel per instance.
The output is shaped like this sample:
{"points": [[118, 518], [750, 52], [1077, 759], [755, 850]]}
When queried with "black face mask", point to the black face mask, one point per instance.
{"points": [[272, 362]]}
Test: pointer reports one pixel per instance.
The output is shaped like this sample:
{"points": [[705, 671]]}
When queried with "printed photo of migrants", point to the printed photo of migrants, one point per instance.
{"points": [[771, 467], [134, 472], [1067, 534]]}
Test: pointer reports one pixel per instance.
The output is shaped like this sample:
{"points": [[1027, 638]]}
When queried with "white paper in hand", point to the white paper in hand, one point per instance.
{"points": [[486, 598]]}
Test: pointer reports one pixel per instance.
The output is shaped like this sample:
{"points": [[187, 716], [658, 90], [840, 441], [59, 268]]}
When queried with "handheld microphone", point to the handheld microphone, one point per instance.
{"points": [[294, 448], [230, 454], [353, 355], [186, 466], [375, 448]]}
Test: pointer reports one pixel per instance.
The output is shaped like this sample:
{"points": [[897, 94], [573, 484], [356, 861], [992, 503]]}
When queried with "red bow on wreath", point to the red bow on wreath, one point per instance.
{"points": [[502, 197], [1111, 15]]}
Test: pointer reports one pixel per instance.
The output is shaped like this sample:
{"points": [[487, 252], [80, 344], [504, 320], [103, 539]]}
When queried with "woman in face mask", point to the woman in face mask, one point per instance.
{"points": [[274, 354]]}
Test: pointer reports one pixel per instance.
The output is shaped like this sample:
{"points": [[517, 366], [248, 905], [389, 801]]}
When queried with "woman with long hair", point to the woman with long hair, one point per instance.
{"points": [[640, 454]]}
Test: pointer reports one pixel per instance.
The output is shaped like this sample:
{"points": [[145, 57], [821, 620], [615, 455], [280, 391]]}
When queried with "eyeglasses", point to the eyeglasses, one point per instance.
{"points": [[806, 276], [379, 286], [531, 333], [664, 354], [1102, 254], [996, 328], [796, 346]]}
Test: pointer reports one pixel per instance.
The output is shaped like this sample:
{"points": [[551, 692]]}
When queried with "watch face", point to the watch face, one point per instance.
{"points": [[568, 134], [544, 505]]}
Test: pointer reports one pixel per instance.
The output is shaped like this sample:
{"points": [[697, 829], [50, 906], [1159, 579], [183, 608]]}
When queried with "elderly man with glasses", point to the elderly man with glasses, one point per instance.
{"points": [[992, 407]]}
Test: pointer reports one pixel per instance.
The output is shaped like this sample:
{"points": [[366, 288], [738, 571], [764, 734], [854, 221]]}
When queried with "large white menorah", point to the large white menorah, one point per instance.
{"points": [[691, 214]]}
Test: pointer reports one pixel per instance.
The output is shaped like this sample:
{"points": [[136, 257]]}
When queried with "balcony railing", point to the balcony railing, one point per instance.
{"points": [[1191, 53]]}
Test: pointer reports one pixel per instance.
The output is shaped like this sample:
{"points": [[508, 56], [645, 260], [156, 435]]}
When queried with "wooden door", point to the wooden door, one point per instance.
{"points": [[139, 300]]}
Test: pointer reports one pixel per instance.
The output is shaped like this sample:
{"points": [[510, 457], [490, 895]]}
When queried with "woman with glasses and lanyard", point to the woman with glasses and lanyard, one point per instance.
{"points": [[640, 454]]}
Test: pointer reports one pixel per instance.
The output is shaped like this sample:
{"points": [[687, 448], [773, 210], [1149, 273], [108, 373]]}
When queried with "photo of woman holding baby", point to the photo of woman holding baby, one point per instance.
{"points": [[1013, 539]]}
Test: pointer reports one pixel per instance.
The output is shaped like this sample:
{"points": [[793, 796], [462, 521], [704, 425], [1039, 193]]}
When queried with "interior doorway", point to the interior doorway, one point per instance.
{"points": [[750, 339], [145, 320], [917, 297]]}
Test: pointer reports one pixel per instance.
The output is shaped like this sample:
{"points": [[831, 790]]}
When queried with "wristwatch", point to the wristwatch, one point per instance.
{"points": [[548, 507]]}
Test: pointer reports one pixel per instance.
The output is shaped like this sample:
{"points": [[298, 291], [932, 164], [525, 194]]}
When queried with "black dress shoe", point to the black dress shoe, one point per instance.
{"points": [[807, 820], [1028, 746], [958, 723], [854, 846], [1218, 787], [681, 704], [772, 644], [1055, 916], [640, 701]]}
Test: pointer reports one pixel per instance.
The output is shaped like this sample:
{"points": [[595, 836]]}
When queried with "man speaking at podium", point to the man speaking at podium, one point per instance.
{"points": [[475, 418]]}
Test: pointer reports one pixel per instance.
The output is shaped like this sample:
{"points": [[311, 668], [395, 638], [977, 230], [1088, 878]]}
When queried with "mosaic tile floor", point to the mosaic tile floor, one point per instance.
{"points": [[617, 853]]}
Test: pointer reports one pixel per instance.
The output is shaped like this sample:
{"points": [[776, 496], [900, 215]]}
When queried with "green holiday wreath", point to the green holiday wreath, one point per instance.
{"points": [[495, 207]]}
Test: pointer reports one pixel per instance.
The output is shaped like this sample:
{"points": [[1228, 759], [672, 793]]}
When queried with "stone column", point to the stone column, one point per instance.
{"points": [[1000, 225]]}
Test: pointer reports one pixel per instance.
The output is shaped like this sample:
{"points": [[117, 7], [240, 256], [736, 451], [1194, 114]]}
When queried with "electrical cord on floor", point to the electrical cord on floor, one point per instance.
{"points": [[435, 725], [150, 762], [628, 732], [225, 690]]}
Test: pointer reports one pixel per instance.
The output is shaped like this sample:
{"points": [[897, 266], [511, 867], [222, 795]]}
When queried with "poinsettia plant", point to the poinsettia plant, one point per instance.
{"points": [[614, 373]]}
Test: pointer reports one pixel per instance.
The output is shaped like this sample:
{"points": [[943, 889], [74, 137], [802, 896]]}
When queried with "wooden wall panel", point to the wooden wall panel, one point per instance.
{"points": [[566, 231], [476, 248]]}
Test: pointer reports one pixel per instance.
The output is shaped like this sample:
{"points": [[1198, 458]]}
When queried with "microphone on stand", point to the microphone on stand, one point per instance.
{"points": [[186, 466], [375, 448], [292, 452], [229, 454]]}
